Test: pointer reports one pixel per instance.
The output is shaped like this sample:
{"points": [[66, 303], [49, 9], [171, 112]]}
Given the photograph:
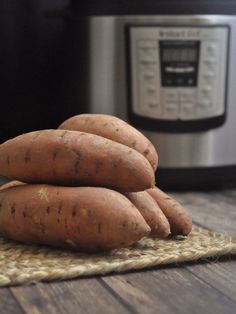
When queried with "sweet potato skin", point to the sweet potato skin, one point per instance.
{"points": [[151, 212], [83, 218], [179, 219], [114, 129], [10, 184], [73, 158]]}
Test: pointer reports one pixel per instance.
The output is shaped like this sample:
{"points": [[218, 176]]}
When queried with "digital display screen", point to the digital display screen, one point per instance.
{"points": [[179, 54], [179, 62]]}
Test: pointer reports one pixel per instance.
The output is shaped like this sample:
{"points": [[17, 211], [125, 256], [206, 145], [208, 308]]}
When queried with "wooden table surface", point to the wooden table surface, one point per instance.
{"points": [[205, 287]]}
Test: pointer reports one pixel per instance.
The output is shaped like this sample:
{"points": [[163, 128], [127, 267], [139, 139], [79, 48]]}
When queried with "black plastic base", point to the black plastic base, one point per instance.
{"points": [[196, 178]]}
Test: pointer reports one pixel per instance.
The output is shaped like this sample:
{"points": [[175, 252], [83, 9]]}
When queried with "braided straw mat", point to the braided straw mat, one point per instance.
{"points": [[22, 264]]}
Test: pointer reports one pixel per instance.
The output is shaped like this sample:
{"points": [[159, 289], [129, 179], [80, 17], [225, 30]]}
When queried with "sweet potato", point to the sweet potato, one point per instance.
{"points": [[74, 158], [10, 184], [151, 212], [114, 129], [84, 218], [179, 219]]}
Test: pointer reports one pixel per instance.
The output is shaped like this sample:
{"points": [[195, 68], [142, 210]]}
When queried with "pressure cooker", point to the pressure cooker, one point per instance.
{"points": [[169, 69]]}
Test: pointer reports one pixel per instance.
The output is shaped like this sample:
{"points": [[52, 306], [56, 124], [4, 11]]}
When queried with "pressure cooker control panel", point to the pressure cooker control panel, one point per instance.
{"points": [[178, 74]]}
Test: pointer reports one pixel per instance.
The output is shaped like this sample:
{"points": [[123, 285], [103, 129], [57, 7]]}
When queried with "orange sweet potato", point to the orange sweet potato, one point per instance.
{"points": [[179, 218], [74, 158], [10, 184], [151, 212], [83, 218], [114, 129]]}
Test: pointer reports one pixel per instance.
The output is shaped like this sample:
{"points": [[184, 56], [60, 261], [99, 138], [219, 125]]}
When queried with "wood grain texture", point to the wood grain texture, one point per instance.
{"points": [[221, 276], [75, 296], [170, 290], [8, 304]]}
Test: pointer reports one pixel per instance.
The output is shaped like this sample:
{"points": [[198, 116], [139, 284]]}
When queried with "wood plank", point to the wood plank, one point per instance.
{"points": [[170, 290], [75, 296], [35, 301], [211, 210], [8, 303], [220, 275], [135, 296]]}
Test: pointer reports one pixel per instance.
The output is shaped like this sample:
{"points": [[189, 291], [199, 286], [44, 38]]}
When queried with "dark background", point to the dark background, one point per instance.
{"points": [[33, 54]]}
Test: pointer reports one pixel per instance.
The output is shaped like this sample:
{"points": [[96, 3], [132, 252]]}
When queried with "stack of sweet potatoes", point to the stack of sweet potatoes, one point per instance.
{"points": [[89, 185]]}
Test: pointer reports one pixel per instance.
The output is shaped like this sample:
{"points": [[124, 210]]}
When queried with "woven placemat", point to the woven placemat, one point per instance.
{"points": [[21, 264]]}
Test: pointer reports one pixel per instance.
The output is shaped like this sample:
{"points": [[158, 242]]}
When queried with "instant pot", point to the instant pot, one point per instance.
{"points": [[169, 69]]}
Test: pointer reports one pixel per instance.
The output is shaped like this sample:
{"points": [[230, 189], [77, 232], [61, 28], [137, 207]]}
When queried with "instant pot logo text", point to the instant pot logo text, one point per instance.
{"points": [[179, 33]]}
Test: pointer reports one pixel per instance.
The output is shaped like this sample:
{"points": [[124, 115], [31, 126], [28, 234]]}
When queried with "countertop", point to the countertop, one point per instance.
{"points": [[204, 287]]}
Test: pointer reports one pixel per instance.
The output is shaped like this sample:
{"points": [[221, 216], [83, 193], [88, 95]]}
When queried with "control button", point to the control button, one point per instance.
{"points": [[170, 95], [208, 68], [211, 49], [147, 44], [205, 93], [206, 103], [169, 82], [209, 77], [180, 81], [187, 111], [147, 55], [206, 90], [204, 108], [212, 45], [148, 61], [187, 96], [149, 75], [204, 99], [151, 89], [171, 111], [153, 104], [148, 71], [190, 81], [209, 61], [209, 52], [209, 74], [208, 81]]}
